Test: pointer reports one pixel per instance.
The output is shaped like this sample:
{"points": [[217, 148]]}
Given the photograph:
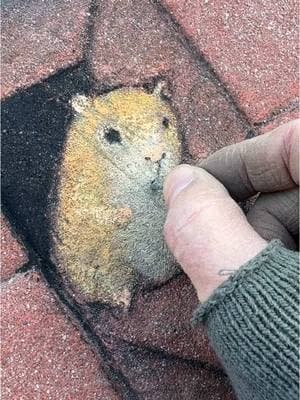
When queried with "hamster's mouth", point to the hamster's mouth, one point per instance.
{"points": [[156, 184], [163, 167]]}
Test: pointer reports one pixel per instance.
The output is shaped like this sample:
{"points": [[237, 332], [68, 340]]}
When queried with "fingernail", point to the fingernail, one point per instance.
{"points": [[177, 181]]}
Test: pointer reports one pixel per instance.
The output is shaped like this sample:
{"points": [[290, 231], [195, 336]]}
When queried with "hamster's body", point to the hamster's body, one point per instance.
{"points": [[110, 209]]}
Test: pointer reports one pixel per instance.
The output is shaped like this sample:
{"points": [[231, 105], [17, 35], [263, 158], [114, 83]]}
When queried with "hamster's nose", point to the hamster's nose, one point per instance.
{"points": [[155, 153]]}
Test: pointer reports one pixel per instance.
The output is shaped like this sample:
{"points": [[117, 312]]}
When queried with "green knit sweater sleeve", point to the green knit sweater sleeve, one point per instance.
{"points": [[253, 324]]}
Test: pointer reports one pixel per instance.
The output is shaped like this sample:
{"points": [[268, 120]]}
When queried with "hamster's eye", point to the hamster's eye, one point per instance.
{"points": [[166, 122], [112, 135]]}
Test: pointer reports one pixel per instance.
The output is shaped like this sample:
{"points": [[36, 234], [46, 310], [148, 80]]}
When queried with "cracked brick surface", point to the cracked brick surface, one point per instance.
{"points": [[42, 354]]}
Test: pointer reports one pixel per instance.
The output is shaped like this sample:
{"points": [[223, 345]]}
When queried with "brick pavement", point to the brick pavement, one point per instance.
{"points": [[231, 68], [13, 253]]}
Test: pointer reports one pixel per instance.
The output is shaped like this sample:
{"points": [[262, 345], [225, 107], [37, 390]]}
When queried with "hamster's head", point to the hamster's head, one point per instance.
{"points": [[134, 131]]}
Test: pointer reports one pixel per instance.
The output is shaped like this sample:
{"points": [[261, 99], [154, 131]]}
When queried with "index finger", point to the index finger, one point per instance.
{"points": [[266, 163]]}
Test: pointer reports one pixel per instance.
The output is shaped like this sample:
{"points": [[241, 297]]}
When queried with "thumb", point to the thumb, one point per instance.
{"points": [[205, 229]]}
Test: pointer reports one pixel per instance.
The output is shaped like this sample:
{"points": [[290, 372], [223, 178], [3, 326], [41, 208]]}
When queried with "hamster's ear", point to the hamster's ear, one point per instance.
{"points": [[80, 102], [162, 89]]}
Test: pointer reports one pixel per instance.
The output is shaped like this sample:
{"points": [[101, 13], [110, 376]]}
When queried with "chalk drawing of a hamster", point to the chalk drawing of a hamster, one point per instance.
{"points": [[110, 210]]}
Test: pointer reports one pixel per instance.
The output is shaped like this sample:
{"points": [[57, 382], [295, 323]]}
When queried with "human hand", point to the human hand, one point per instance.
{"points": [[206, 229]]}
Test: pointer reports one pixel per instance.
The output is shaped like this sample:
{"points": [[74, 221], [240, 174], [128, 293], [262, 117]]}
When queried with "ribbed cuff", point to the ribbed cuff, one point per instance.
{"points": [[274, 253], [253, 325]]}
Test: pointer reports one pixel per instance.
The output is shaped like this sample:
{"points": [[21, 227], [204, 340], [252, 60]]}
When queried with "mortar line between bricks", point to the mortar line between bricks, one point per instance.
{"points": [[8, 213], [25, 268], [119, 382], [89, 39], [292, 106], [200, 59], [7, 281], [162, 354], [95, 88], [59, 71]]}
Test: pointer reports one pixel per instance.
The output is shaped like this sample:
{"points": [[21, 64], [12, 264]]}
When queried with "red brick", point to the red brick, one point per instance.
{"points": [[13, 253], [280, 120], [38, 38], [43, 354], [206, 116], [133, 42], [252, 46], [153, 376], [160, 319]]}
